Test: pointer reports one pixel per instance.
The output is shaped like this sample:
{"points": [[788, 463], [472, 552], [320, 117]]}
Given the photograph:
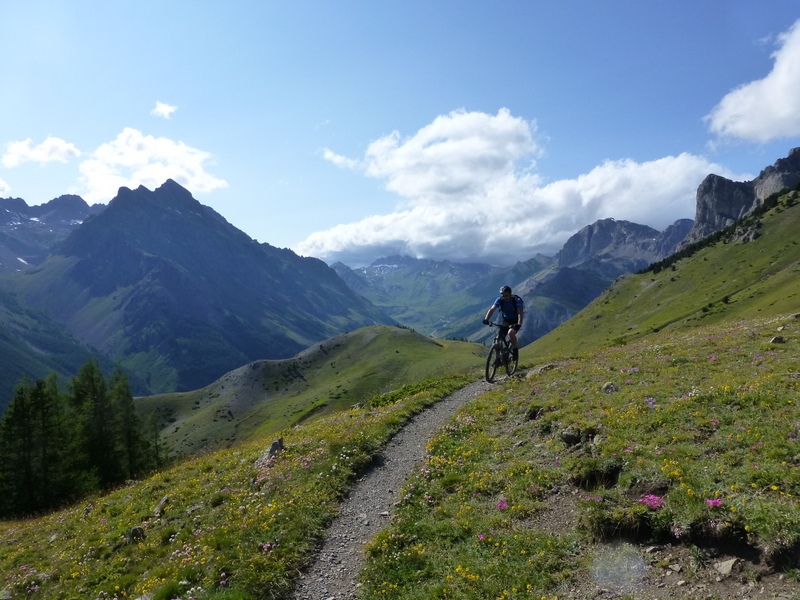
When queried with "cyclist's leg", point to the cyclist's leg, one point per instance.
{"points": [[512, 338], [505, 330]]}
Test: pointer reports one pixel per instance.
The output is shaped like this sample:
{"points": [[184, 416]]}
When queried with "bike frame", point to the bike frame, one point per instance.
{"points": [[500, 355]]}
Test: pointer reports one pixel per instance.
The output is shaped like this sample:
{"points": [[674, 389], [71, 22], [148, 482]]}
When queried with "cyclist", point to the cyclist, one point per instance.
{"points": [[512, 310]]}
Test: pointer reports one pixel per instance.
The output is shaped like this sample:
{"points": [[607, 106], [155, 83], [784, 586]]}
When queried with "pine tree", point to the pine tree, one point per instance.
{"points": [[16, 453], [97, 426], [130, 435]]}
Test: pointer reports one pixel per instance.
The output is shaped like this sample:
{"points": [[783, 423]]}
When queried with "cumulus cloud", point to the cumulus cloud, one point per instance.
{"points": [[5, 189], [470, 195], [53, 149], [134, 159], [163, 110], [765, 109]]}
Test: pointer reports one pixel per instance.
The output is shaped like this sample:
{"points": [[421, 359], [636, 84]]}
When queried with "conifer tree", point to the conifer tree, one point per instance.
{"points": [[96, 426], [130, 435], [16, 452]]}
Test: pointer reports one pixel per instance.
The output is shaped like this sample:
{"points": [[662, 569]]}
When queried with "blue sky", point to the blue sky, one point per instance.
{"points": [[461, 130]]}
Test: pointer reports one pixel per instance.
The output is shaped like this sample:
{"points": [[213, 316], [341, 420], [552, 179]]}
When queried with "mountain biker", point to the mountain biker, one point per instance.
{"points": [[512, 310]]}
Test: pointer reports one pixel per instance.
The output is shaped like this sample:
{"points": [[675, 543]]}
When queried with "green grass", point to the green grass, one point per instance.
{"points": [[695, 442], [262, 398], [235, 524], [662, 426]]}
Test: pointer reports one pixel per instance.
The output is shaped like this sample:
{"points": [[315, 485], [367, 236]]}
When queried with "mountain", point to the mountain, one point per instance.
{"points": [[721, 201], [404, 287], [31, 343], [177, 295], [613, 247], [738, 276], [448, 300], [28, 232], [663, 416]]}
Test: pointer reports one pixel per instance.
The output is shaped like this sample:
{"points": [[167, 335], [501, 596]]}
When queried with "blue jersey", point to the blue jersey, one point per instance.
{"points": [[509, 308]]}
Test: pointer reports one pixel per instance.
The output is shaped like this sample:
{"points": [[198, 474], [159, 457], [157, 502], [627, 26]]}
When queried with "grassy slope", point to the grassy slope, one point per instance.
{"points": [[719, 283], [266, 396]]}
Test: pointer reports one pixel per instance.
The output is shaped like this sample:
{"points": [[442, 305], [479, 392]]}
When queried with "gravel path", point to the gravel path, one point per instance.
{"points": [[368, 507]]}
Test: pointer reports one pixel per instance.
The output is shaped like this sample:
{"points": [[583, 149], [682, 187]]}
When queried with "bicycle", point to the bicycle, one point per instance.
{"points": [[500, 354]]}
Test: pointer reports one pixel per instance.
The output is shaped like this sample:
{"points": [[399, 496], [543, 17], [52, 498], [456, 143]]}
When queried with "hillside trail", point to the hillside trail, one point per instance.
{"points": [[368, 506]]}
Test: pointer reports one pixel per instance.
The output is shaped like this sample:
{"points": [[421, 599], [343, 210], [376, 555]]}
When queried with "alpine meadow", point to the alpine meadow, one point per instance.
{"points": [[647, 448]]}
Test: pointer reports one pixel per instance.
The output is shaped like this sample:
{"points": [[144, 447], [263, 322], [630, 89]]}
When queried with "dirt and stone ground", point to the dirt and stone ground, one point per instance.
{"points": [[654, 572]]}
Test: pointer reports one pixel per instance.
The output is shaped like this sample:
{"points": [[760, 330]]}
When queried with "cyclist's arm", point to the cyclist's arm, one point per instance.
{"points": [[490, 312]]}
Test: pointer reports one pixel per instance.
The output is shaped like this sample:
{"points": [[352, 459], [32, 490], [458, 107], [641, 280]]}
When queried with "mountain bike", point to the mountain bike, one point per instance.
{"points": [[500, 354]]}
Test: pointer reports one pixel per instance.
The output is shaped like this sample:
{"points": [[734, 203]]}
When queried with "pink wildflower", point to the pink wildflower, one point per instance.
{"points": [[652, 501]]}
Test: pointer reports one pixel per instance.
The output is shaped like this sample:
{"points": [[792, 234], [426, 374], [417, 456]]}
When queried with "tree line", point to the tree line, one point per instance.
{"points": [[59, 446]]}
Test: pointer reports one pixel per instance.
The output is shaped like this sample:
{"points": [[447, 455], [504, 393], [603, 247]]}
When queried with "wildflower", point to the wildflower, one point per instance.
{"points": [[652, 501], [503, 504], [714, 502]]}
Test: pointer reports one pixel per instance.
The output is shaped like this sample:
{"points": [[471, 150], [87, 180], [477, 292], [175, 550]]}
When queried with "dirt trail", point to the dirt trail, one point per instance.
{"points": [[368, 507]]}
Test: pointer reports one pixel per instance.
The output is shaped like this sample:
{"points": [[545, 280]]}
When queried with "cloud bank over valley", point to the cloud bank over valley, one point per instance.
{"points": [[470, 192]]}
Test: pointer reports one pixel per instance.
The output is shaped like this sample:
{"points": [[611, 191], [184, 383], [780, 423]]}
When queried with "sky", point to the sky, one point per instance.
{"points": [[467, 130]]}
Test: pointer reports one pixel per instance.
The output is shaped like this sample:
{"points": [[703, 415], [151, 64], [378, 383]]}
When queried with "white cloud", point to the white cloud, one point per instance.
{"points": [[5, 189], [134, 159], [163, 110], [53, 149], [768, 108], [467, 199], [339, 160]]}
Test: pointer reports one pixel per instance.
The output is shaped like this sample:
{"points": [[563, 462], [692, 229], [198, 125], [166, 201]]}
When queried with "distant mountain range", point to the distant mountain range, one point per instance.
{"points": [[168, 289], [448, 300], [27, 233], [174, 293]]}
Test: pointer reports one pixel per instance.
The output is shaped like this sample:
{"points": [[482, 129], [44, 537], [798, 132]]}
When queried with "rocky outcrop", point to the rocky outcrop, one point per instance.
{"points": [[613, 247], [784, 173], [720, 201]]}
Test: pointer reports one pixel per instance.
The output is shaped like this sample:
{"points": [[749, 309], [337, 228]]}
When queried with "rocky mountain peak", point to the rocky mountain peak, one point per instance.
{"points": [[28, 232], [614, 247], [720, 201]]}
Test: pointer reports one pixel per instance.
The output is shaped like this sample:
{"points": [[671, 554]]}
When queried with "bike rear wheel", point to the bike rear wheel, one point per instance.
{"points": [[492, 362]]}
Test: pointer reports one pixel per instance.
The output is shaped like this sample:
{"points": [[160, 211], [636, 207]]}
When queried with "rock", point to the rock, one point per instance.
{"points": [[725, 567], [778, 339], [608, 387], [570, 437], [136, 534], [161, 507], [275, 448]]}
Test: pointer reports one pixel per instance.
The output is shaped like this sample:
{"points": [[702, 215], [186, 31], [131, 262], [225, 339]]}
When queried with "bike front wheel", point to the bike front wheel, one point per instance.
{"points": [[492, 362], [511, 363]]}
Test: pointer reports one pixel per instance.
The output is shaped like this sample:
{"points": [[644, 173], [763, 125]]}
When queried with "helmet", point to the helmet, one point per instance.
{"points": [[505, 289]]}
